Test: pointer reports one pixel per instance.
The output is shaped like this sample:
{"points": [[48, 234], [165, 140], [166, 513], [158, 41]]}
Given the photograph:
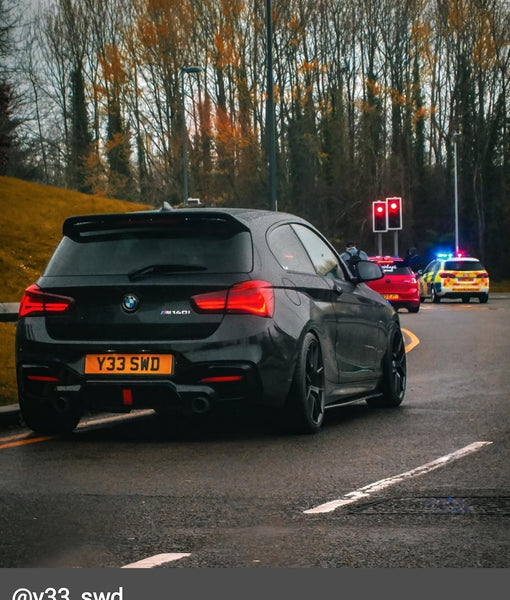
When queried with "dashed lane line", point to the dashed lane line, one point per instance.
{"points": [[156, 561], [368, 490]]}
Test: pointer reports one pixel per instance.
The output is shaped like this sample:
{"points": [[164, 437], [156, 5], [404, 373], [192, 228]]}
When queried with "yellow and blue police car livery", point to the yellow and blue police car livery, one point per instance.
{"points": [[454, 277]]}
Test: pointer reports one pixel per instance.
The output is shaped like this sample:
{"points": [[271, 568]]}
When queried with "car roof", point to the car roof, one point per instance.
{"points": [[461, 258], [249, 217]]}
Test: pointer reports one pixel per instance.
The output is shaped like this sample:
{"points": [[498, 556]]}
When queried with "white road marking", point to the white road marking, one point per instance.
{"points": [[156, 561], [372, 488]]}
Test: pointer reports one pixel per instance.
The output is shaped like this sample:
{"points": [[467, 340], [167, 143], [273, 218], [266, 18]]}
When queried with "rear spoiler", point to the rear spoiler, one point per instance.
{"points": [[86, 226]]}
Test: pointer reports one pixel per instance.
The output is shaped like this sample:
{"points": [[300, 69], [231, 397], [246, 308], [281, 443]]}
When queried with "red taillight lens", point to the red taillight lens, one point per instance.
{"points": [[483, 275], [248, 297], [37, 302], [222, 379], [447, 275], [212, 302]]}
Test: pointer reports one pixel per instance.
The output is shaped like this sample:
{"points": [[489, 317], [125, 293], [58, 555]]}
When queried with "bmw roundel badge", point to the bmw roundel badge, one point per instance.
{"points": [[130, 303]]}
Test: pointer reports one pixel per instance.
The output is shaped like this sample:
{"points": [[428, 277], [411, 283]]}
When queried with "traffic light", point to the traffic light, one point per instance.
{"points": [[394, 208], [379, 216]]}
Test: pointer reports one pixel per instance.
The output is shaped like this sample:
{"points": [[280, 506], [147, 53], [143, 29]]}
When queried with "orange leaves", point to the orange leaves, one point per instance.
{"points": [[111, 65], [229, 134], [484, 50], [226, 54]]}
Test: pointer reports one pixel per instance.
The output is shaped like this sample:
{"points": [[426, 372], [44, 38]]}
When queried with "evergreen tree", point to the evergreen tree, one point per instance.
{"points": [[80, 134]]}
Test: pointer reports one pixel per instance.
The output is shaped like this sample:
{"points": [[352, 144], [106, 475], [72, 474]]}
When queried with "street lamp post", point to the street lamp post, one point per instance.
{"points": [[184, 70], [456, 192], [270, 113]]}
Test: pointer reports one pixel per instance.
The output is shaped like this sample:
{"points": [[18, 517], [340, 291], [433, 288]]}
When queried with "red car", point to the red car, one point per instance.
{"points": [[399, 285]]}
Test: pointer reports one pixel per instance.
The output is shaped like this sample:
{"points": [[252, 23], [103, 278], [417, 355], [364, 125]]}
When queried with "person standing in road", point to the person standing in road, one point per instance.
{"points": [[352, 256]]}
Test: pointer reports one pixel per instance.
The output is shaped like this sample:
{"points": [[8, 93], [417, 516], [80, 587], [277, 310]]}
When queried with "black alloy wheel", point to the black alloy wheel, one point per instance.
{"points": [[394, 373], [306, 397]]}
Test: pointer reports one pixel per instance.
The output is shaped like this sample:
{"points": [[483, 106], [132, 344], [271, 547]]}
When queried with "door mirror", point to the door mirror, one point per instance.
{"points": [[368, 271]]}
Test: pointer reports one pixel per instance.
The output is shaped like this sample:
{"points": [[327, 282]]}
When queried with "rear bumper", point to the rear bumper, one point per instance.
{"points": [[248, 370], [207, 386]]}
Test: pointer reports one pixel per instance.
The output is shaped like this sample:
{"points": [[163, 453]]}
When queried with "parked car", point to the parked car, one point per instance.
{"points": [[454, 277], [399, 285], [183, 311]]}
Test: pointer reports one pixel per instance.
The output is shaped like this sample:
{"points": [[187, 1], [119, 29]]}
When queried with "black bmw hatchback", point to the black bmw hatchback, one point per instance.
{"points": [[183, 311]]}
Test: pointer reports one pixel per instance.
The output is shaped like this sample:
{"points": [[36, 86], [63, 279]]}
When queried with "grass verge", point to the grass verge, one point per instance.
{"points": [[31, 218]]}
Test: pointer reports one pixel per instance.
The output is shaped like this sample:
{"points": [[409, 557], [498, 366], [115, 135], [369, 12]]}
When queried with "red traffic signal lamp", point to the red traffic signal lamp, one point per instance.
{"points": [[394, 209], [379, 216]]}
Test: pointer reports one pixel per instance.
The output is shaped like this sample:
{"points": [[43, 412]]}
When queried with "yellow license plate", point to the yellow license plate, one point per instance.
{"points": [[390, 296], [129, 364]]}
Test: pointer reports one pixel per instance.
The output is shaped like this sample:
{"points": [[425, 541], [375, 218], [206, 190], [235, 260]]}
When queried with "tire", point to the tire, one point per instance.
{"points": [[435, 298], [483, 298], [413, 309], [394, 378], [306, 399], [50, 416]]}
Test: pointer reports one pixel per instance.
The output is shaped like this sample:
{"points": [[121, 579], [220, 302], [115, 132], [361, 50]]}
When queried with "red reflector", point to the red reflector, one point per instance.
{"points": [[127, 397], [221, 379], [37, 302], [249, 297], [42, 378]]}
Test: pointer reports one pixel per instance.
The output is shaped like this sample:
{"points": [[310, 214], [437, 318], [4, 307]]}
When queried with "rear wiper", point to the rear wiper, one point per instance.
{"points": [[156, 269]]}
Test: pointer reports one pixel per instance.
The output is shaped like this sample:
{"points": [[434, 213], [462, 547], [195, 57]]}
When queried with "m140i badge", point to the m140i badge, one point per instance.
{"points": [[130, 303], [176, 312]]}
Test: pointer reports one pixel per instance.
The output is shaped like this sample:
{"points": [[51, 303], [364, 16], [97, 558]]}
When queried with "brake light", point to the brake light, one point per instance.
{"points": [[37, 302], [483, 275], [249, 297], [447, 275]]}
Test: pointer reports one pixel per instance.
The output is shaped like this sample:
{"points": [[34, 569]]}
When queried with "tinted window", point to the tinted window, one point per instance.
{"points": [[323, 258], [461, 265], [289, 251], [396, 269], [218, 252]]}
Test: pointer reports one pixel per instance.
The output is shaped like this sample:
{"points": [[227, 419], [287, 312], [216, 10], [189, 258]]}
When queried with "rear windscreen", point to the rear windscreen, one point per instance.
{"points": [[461, 265], [396, 270], [180, 249]]}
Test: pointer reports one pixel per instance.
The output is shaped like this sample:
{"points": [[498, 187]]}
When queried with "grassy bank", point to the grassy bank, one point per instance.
{"points": [[31, 218]]}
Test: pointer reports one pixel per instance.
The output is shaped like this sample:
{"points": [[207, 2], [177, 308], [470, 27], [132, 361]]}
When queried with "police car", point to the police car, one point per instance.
{"points": [[454, 277]]}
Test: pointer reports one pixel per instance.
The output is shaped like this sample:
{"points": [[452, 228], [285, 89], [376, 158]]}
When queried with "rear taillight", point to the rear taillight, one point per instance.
{"points": [[248, 297], [37, 302], [483, 275], [447, 275]]}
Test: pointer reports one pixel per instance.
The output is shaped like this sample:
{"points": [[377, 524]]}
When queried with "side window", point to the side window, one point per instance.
{"points": [[323, 258], [289, 251], [430, 267]]}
